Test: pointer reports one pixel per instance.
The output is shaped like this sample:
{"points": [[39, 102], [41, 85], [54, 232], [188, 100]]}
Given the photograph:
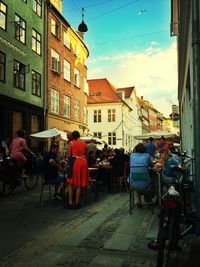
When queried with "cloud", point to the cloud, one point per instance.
{"points": [[153, 72]]}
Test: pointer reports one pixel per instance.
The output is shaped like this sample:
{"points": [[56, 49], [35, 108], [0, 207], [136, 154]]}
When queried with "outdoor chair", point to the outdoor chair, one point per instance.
{"points": [[120, 182], [92, 184], [147, 193]]}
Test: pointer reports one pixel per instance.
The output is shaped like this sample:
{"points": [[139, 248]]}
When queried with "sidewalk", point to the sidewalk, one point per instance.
{"points": [[100, 234]]}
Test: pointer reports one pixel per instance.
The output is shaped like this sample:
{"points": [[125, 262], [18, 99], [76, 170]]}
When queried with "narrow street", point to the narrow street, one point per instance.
{"points": [[100, 234]]}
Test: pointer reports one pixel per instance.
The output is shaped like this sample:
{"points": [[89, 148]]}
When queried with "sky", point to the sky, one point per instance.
{"points": [[130, 45]]}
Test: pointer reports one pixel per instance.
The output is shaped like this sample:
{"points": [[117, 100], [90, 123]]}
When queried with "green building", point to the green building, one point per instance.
{"points": [[22, 66]]}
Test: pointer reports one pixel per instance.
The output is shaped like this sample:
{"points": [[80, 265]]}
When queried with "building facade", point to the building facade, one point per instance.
{"points": [[109, 114], [22, 79], [185, 24], [66, 97]]}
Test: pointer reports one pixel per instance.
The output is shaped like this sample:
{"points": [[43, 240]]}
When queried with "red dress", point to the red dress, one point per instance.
{"points": [[80, 168]]}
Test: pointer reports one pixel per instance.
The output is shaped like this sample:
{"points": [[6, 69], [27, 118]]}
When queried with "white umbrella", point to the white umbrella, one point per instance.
{"points": [[87, 139], [155, 134], [50, 133]]}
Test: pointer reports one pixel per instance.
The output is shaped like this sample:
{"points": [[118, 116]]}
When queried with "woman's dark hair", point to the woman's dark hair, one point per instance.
{"points": [[75, 135], [139, 148], [21, 133]]}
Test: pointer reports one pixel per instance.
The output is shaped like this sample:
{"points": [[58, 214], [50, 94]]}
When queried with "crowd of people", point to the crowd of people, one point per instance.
{"points": [[72, 170]]}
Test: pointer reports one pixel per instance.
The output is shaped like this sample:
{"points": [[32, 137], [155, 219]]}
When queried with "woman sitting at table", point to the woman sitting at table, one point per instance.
{"points": [[168, 160], [139, 171]]}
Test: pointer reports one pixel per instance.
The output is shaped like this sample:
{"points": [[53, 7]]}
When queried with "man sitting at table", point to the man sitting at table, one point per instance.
{"points": [[51, 168]]}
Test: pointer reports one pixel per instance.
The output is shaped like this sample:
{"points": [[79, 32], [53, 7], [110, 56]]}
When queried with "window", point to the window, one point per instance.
{"points": [[97, 134], [37, 7], [2, 66], [76, 110], [67, 40], [55, 64], [111, 115], [67, 70], [77, 50], [19, 75], [112, 138], [85, 114], [3, 15], [36, 83], [86, 88], [36, 42], [97, 115], [20, 29], [54, 101], [76, 77], [67, 106], [55, 28]]}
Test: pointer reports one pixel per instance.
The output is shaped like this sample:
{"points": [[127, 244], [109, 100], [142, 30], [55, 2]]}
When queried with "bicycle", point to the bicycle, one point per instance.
{"points": [[175, 221], [10, 175]]}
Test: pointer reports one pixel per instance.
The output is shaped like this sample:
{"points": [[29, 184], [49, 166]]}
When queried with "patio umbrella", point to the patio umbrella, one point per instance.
{"points": [[155, 134], [54, 132], [87, 139]]}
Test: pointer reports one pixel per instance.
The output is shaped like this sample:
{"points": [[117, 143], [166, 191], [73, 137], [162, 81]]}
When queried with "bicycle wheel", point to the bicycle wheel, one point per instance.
{"points": [[31, 180]]}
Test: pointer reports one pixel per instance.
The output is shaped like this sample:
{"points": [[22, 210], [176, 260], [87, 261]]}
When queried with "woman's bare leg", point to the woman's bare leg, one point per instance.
{"points": [[70, 193], [78, 194]]}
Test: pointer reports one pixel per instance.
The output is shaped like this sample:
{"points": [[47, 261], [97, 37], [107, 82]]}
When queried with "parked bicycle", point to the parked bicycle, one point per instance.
{"points": [[176, 219], [10, 175]]}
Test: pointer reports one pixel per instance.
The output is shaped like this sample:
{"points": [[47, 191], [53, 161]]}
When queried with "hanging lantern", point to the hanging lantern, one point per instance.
{"points": [[82, 27]]}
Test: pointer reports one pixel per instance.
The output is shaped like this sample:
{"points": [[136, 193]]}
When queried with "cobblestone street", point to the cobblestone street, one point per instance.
{"points": [[100, 234]]}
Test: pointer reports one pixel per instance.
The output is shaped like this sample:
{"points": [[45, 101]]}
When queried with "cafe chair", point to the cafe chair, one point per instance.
{"points": [[92, 184], [147, 193], [120, 182], [45, 184]]}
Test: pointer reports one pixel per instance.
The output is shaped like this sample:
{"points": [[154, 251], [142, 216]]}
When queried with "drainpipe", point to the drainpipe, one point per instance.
{"points": [[45, 51], [122, 124], [196, 101]]}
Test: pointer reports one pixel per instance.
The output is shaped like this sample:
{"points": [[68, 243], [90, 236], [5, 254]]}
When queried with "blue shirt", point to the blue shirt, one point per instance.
{"points": [[139, 170], [150, 147], [167, 169]]}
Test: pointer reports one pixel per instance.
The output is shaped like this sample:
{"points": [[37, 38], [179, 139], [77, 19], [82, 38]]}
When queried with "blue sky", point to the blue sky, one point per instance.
{"points": [[130, 47]]}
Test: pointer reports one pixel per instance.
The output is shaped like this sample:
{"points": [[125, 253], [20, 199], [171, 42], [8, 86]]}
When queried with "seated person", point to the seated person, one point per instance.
{"points": [[168, 160], [52, 167], [139, 171]]}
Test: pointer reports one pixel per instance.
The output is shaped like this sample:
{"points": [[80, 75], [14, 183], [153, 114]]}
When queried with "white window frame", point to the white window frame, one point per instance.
{"points": [[55, 61], [55, 28], [55, 101], [97, 134], [67, 104], [76, 110], [67, 70], [67, 40], [112, 138], [86, 87], [77, 77], [77, 50], [97, 116], [111, 115]]}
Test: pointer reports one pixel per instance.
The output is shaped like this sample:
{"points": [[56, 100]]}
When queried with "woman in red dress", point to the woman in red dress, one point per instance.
{"points": [[77, 153]]}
